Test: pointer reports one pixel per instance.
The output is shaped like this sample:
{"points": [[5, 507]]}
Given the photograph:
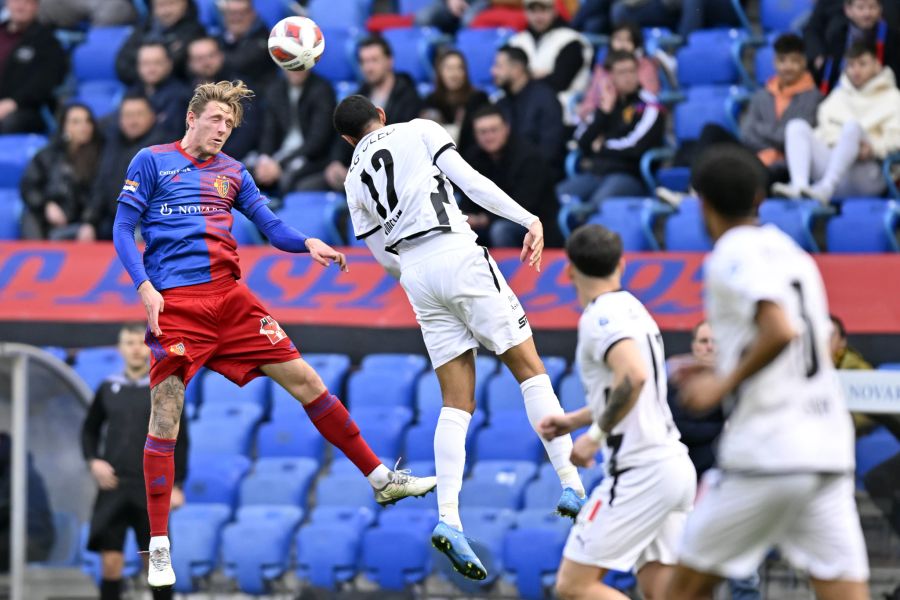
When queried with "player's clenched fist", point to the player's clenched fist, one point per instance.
{"points": [[324, 254], [153, 303]]}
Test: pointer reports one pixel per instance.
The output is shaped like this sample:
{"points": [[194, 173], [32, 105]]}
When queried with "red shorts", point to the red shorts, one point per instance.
{"points": [[221, 325]]}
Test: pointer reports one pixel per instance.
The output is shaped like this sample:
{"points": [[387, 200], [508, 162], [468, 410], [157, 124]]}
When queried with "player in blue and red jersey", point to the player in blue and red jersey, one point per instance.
{"points": [[182, 194]]}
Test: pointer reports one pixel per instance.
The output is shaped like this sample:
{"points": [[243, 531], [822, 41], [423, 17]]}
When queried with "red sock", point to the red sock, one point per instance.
{"points": [[336, 425], [159, 473]]}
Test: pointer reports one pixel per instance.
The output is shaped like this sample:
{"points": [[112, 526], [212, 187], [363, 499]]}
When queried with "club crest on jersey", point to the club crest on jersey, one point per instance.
{"points": [[270, 328], [221, 184], [177, 349]]}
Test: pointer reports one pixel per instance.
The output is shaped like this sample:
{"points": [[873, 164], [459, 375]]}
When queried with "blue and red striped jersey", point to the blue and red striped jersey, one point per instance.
{"points": [[186, 215]]}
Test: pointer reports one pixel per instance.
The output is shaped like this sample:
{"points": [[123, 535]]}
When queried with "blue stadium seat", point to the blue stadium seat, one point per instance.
{"points": [[383, 427], [764, 64], [408, 562], [374, 386], [193, 394], [96, 364], [96, 57], [332, 368], [279, 481], [571, 392], [12, 206], [708, 58], [214, 479], [485, 493], [240, 411], [195, 530], [509, 441], [345, 489], [395, 363], [219, 391], [632, 219], [685, 231], [421, 468], [872, 450], [555, 366], [411, 7], [271, 11], [514, 474], [208, 15], [479, 47], [505, 396], [543, 493], [16, 150], [783, 15], [793, 217], [541, 517], [339, 63], [410, 517], [531, 556], [413, 49], [338, 13], [286, 437], [419, 444], [358, 517], [864, 226], [488, 527], [890, 366], [311, 213], [224, 436], [101, 96], [692, 115], [256, 549], [328, 553]]}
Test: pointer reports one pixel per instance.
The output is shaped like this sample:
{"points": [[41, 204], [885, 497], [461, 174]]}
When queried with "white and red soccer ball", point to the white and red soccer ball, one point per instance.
{"points": [[296, 43]]}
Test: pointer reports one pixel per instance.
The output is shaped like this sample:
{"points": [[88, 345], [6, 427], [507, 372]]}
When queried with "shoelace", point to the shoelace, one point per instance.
{"points": [[159, 559], [400, 476]]}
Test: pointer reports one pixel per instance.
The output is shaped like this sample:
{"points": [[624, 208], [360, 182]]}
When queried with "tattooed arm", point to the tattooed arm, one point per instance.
{"points": [[629, 375]]}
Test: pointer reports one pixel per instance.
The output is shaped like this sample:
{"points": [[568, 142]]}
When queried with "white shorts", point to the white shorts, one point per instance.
{"points": [[811, 518], [461, 298], [636, 517]]}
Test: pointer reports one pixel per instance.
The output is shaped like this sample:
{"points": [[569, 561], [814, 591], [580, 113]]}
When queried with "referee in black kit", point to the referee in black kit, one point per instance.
{"points": [[115, 457]]}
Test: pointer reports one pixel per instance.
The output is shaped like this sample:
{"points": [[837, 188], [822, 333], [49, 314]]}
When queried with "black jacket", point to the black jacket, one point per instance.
{"points": [[403, 104], [117, 154], [123, 407], [35, 67], [635, 125], [522, 173], [535, 115], [176, 38], [249, 56], [826, 35], [448, 115], [314, 110], [50, 176], [169, 101]]}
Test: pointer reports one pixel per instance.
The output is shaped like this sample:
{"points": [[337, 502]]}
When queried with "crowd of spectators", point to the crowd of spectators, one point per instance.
{"points": [[822, 123]]}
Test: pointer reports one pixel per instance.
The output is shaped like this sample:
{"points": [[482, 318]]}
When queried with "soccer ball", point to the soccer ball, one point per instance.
{"points": [[296, 43]]}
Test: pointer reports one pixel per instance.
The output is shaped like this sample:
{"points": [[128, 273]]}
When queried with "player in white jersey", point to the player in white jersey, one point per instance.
{"points": [[402, 204], [635, 517], [786, 454]]}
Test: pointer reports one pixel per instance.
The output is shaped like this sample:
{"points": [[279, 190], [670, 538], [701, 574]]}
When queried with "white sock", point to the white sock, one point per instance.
{"points": [[450, 462], [541, 401], [380, 477], [158, 541]]}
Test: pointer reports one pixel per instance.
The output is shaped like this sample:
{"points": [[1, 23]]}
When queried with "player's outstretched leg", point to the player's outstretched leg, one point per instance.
{"points": [[457, 379], [540, 401], [167, 400], [333, 421]]}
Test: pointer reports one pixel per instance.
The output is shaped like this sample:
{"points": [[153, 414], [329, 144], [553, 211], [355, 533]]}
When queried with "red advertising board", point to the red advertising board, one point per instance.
{"points": [[86, 283]]}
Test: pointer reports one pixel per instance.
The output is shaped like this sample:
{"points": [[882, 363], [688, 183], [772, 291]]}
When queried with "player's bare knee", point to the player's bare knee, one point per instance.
{"points": [[523, 361], [568, 589], [112, 564], [167, 402], [460, 403]]}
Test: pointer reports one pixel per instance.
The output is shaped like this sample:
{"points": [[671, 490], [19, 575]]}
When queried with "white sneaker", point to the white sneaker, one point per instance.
{"points": [[403, 485], [785, 190], [160, 573], [821, 193]]}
